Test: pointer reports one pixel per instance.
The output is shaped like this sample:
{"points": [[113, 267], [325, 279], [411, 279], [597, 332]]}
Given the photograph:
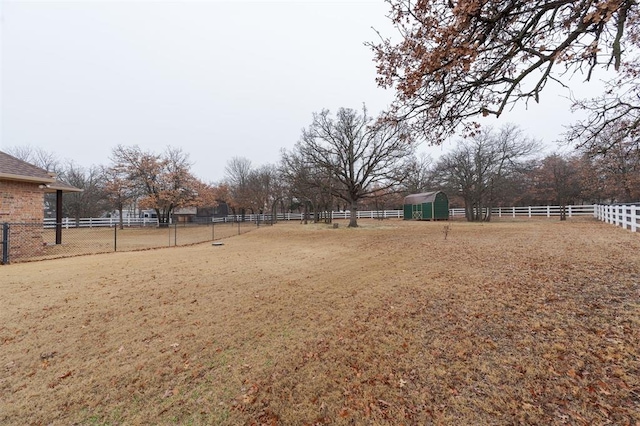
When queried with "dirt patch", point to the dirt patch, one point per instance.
{"points": [[502, 323]]}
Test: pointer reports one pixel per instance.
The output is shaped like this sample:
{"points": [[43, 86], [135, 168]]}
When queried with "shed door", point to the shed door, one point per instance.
{"points": [[408, 211], [441, 206], [417, 211], [427, 211]]}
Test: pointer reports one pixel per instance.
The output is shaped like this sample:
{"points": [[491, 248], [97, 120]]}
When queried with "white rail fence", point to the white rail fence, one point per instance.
{"points": [[91, 222], [625, 216], [365, 214], [528, 211], [95, 222], [533, 211]]}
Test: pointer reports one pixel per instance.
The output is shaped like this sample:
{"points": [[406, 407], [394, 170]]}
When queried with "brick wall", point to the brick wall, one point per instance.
{"points": [[22, 202]]}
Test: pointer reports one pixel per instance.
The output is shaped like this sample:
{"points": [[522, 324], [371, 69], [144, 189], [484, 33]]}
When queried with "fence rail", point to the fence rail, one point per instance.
{"points": [[95, 222], [625, 216], [40, 240], [527, 211], [534, 211]]}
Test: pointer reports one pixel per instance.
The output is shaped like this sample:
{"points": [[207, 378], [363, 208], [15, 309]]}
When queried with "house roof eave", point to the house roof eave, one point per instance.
{"points": [[29, 179]]}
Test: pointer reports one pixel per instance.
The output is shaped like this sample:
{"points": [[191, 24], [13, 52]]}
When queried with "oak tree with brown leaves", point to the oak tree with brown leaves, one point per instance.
{"points": [[460, 59], [163, 181], [118, 190]]}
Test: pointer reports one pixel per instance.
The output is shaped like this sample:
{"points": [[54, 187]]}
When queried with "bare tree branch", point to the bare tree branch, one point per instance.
{"points": [[460, 60]]}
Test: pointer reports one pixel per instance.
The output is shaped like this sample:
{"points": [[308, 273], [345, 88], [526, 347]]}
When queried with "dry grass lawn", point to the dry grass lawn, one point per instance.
{"points": [[524, 322]]}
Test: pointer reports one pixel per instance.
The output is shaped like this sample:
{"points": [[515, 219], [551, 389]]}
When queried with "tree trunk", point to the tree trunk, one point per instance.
{"points": [[163, 220], [487, 216], [468, 210], [353, 219], [627, 191], [378, 210], [274, 211], [563, 212]]}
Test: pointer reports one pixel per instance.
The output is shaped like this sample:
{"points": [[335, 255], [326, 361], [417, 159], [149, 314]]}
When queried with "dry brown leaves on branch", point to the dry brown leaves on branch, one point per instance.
{"points": [[458, 60]]}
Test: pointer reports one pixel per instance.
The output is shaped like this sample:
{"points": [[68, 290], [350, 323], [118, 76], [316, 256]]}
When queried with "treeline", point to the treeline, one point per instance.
{"points": [[501, 168], [354, 161]]}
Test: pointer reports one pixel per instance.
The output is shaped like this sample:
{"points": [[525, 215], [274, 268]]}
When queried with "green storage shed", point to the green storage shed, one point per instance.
{"points": [[426, 206]]}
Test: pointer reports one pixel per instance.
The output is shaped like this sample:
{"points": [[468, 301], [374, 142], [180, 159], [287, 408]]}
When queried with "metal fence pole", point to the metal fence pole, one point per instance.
{"points": [[115, 238], [5, 243], [175, 233]]}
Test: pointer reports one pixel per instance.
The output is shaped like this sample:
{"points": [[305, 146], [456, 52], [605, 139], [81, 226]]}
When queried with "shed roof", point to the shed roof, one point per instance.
{"points": [[12, 168], [424, 197]]}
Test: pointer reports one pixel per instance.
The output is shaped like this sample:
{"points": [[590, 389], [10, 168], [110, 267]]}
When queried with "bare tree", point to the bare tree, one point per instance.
{"points": [[278, 191], [613, 118], [616, 170], [261, 188], [358, 156], [298, 177], [118, 189], [237, 173], [459, 60], [478, 167], [380, 200], [557, 180], [307, 184], [91, 201], [420, 175]]}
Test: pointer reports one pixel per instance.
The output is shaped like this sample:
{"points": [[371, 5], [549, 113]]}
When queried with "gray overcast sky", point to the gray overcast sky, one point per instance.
{"points": [[219, 79]]}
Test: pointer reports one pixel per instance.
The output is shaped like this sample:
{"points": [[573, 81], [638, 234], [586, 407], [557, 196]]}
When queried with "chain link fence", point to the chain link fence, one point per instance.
{"points": [[38, 241]]}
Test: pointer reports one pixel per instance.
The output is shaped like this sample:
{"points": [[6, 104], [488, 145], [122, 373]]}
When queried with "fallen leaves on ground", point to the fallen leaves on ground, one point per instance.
{"points": [[503, 323]]}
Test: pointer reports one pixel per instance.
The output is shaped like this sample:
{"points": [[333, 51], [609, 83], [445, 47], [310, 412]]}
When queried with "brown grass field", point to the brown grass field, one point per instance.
{"points": [[512, 322]]}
